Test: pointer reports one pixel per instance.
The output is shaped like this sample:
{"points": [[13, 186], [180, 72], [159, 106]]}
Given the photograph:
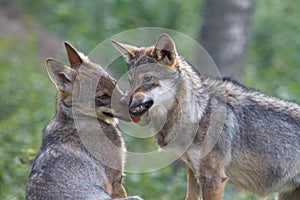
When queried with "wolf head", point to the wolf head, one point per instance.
{"points": [[153, 76], [66, 78]]}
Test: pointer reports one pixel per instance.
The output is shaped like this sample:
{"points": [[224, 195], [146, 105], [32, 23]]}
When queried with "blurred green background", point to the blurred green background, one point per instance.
{"points": [[32, 30]]}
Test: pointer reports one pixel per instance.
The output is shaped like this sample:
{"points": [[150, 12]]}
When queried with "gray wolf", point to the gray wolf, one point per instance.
{"points": [[241, 135], [63, 167]]}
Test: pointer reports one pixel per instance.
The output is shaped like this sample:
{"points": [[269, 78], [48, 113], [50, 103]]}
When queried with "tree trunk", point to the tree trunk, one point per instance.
{"points": [[225, 34]]}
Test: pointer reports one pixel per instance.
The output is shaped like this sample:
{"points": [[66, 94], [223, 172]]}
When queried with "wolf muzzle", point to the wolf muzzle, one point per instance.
{"points": [[139, 106]]}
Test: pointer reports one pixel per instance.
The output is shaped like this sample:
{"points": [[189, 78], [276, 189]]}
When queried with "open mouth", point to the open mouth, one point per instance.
{"points": [[137, 111], [108, 114]]}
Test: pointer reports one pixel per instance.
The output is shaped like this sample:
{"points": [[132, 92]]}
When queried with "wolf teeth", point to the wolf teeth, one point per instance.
{"points": [[138, 108]]}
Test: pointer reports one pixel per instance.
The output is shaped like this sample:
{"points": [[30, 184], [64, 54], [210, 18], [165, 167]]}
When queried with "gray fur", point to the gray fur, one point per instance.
{"points": [[239, 134], [63, 167]]}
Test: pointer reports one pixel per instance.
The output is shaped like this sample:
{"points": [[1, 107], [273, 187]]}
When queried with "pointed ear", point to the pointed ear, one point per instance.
{"points": [[127, 51], [165, 50], [62, 76], [73, 55]]}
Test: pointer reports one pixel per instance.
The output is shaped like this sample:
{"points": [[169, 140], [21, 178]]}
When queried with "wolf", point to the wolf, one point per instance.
{"points": [[63, 167], [242, 135]]}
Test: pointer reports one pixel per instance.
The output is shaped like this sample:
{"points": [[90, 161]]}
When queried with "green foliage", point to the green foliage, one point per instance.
{"points": [[90, 22], [167, 183], [27, 100], [26, 105], [274, 56]]}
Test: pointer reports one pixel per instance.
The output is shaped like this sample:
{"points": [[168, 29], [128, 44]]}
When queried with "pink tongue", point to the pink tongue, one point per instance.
{"points": [[136, 119]]}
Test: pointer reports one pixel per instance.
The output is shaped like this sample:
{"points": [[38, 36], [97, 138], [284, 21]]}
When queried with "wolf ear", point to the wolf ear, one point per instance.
{"points": [[62, 76], [127, 51], [165, 50], [74, 56]]}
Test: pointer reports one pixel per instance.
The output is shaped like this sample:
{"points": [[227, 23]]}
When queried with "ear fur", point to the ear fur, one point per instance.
{"points": [[74, 56], [62, 76], [165, 50], [127, 51]]}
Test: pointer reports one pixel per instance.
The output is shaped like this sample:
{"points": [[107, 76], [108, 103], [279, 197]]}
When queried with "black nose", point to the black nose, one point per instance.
{"points": [[135, 102], [140, 105]]}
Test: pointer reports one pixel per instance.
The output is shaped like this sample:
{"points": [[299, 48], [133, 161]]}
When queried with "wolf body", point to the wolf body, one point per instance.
{"points": [[237, 134], [63, 167]]}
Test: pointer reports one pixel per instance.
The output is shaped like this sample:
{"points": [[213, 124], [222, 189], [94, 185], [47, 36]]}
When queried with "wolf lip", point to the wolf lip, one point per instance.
{"points": [[108, 114], [137, 111]]}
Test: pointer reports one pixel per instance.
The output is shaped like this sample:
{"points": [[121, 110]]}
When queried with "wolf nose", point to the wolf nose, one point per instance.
{"points": [[145, 102], [133, 102]]}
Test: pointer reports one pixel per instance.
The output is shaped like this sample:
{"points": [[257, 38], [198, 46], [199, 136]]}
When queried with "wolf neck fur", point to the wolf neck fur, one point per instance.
{"points": [[190, 105]]}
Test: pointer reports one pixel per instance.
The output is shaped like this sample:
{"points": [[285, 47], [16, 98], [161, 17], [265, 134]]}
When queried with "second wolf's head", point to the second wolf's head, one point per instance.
{"points": [[69, 81], [153, 75]]}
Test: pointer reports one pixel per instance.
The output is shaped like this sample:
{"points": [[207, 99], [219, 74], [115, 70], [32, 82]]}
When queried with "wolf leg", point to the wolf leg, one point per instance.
{"points": [[294, 195], [193, 188], [212, 178], [118, 191]]}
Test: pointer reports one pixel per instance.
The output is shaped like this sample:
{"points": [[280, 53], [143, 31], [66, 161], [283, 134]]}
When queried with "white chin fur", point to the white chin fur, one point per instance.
{"points": [[158, 111]]}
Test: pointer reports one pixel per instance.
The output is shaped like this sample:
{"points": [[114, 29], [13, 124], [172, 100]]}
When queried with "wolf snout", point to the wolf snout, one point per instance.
{"points": [[139, 105]]}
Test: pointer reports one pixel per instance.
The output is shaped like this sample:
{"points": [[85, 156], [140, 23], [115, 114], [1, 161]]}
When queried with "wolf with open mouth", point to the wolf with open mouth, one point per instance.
{"points": [[255, 138]]}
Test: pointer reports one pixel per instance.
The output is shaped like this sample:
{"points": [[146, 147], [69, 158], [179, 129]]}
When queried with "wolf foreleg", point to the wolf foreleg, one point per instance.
{"points": [[193, 188], [212, 178]]}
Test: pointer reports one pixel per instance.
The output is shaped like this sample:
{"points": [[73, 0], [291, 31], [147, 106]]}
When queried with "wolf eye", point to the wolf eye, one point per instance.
{"points": [[147, 78], [149, 86], [103, 99], [103, 96]]}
